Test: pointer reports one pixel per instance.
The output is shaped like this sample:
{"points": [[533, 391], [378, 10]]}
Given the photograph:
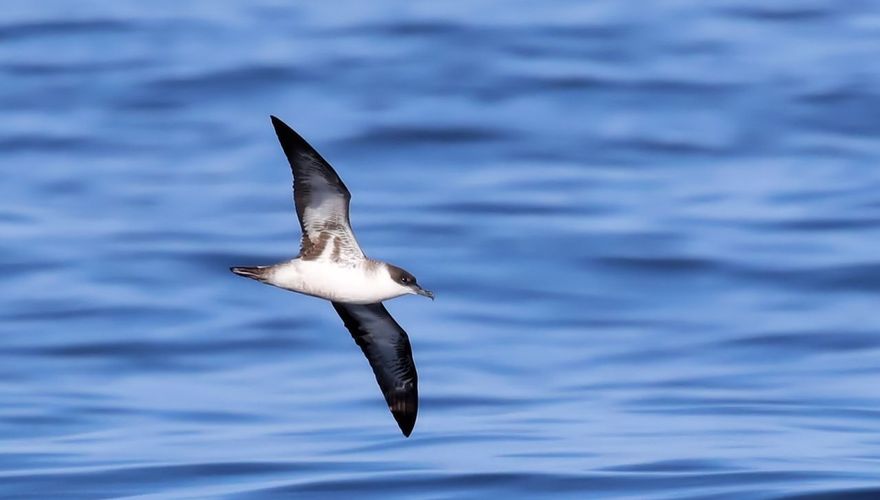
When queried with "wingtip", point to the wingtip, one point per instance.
{"points": [[278, 123], [289, 138], [406, 423], [406, 427]]}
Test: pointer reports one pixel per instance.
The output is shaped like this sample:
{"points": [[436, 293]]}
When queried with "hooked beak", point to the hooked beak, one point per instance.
{"points": [[425, 293]]}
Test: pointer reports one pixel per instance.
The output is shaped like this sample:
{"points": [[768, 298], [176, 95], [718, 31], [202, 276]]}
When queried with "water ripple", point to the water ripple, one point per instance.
{"points": [[654, 249]]}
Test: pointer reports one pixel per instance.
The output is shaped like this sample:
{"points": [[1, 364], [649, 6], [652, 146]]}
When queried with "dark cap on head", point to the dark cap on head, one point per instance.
{"points": [[406, 279], [401, 275]]}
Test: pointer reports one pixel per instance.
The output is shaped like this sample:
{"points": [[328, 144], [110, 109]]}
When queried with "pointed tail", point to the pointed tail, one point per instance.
{"points": [[258, 273]]}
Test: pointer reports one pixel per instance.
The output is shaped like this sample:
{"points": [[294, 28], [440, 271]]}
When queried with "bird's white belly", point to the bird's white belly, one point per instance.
{"points": [[356, 284]]}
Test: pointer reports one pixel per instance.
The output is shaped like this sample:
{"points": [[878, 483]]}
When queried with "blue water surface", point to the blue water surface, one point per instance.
{"points": [[652, 228]]}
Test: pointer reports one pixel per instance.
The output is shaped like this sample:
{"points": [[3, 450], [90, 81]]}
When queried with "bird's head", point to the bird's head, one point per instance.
{"points": [[406, 282]]}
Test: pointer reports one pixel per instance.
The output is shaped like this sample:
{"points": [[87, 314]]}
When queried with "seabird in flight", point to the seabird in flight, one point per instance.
{"points": [[332, 266]]}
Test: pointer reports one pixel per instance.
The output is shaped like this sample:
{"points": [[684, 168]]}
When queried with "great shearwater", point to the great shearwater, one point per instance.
{"points": [[332, 266]]}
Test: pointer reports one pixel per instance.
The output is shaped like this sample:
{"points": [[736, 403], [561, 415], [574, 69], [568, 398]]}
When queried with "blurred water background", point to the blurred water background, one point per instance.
{"points": [[652, 229]]}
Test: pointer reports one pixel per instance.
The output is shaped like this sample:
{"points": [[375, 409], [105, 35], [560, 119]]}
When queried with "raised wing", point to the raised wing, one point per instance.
{"points": [[387, 348], [322, 201]]}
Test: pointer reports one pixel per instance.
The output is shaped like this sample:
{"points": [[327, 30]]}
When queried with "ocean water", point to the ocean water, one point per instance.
{"points": [[652, 229]]}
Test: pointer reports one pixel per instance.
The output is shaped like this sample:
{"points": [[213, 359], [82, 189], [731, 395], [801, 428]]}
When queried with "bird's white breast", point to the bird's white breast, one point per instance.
{"points": [[360, 283]]}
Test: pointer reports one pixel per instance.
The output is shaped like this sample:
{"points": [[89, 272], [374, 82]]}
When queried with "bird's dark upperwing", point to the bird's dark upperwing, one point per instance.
{"points": [[387, 348], [322, 200]]}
